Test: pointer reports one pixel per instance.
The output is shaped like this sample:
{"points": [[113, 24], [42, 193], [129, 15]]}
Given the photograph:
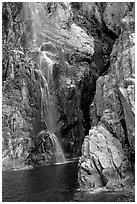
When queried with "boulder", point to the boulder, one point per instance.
{"points": [[104, 159]]}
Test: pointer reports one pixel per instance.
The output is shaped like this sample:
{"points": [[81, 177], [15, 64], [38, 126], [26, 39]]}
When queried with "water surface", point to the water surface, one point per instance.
{"points": [[57, 183], [47, 183]]}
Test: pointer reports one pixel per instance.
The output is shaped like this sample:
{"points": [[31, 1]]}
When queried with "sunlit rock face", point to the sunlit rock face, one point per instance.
{"points": [[102, 159], [116, 90], [44, 23], [112, 115]]}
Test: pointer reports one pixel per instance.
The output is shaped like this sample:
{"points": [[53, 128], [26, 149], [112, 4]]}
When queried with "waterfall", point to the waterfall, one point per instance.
{"points": [[59, 155], [42, 76]]}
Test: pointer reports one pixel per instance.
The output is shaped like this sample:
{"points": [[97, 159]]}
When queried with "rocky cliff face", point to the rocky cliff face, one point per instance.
{"points": [[103, 160], [57, 53]]}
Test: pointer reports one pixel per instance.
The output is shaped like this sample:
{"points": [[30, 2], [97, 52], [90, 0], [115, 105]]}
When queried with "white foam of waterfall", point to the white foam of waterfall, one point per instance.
{"points": [[59, 155]]}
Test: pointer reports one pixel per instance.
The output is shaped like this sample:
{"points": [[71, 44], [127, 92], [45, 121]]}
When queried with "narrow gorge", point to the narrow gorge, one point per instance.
{"points": [[68, 89]]}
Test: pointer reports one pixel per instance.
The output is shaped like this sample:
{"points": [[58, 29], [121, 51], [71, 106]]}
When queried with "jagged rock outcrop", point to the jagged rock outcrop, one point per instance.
{"points": [[102, 159], [113, 109], [116, 90]]}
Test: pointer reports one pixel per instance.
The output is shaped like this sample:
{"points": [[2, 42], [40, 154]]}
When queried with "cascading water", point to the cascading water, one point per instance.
{"points": [[59, 155], [44, 76]]}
